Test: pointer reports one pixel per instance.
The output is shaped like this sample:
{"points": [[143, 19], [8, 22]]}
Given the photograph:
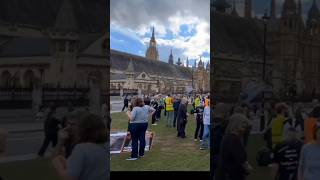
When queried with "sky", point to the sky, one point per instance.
{"points": [[259, 6], [180, 25]]}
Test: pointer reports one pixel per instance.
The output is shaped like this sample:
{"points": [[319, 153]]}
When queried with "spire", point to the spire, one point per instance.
{"points": [[208, 66], [187, 62], [170, 58], [152, 51], [273, 9], [152, 37], [65, 20], [200, 64], [234, 11], [247, 9], [299, 8], [313, 14], [130, 68], [179, 62], [289, 8]]}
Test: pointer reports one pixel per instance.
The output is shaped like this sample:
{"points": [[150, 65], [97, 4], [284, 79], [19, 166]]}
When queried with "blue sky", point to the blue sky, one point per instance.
{"points": [[181, 25]]}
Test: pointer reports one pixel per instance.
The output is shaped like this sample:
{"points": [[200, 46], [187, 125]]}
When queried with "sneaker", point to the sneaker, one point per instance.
{"points": [[195, 140], [141, 156], [200, 140], [154, 124], [202, 148], [131, 159]]}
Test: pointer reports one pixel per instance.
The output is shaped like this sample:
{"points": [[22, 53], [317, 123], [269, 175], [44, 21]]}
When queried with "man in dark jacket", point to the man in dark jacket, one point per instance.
{"points": [[125, 102], [182, 119], [176, 104], [51, 128]]}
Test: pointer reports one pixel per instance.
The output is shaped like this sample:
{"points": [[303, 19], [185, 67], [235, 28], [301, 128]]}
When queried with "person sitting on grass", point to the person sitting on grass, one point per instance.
{"points": [[138, 127], [89, 158]]}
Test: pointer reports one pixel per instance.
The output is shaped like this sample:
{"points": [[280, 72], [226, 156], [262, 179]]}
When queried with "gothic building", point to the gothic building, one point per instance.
{"points": [[147, 75], [48, 54], [152, 51], [292, 56]]}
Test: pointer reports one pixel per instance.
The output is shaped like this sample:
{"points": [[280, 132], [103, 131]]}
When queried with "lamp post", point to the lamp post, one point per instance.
{"points": [[265, 19]]}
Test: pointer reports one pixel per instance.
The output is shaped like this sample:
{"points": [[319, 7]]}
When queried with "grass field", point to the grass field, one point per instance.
{"points": [[38, 169], [259, 173], [168, 153]]}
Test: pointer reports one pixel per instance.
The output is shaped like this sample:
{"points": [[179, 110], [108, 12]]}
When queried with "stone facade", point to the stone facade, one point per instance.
{"points": [[292, 56]]}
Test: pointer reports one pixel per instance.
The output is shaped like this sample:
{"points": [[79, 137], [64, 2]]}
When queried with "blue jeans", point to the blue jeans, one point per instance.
{"points": [[138, 133], [206, 136]]}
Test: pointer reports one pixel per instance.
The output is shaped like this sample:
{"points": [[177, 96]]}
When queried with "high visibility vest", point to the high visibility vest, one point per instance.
{"points": [[309, 129], [169, 104], [197, 102], [277, 130]]}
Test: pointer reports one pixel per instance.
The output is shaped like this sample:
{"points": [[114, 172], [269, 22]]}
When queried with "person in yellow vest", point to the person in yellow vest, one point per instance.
{"points": [[197, 101], [169, 110], [278, 123]]}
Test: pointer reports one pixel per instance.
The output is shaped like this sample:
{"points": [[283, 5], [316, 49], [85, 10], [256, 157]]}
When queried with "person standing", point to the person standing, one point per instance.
{"points": [[182, 118], [176, 104], [286, 157], [51, 128], [169, 110], [277, 125], [309, 167], [207, 128], [310, 124], [155, 106], [199, 121], [125, 102], [233, 162], [138, 127], [89, 158]]}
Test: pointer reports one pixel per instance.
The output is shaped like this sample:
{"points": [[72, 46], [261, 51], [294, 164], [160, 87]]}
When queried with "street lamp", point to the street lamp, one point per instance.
{"points": [[265, 19]]}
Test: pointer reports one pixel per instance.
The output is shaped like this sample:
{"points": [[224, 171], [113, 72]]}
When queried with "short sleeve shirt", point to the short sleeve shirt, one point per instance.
{"points": [[89, 161]]}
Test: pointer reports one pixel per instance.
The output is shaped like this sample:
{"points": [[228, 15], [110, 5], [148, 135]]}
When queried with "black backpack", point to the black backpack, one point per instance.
{"points": [[264, 157]]}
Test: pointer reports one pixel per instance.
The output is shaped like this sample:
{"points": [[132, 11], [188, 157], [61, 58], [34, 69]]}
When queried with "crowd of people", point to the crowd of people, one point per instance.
{"points": [[175, 108], [291, 135], [80, 144]]}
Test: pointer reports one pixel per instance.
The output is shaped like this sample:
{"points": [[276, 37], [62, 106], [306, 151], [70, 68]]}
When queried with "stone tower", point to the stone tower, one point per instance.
{"points": [[247, 9], [130, 75], [179, 62], [152, 51], [170, 58], [65, 45]]}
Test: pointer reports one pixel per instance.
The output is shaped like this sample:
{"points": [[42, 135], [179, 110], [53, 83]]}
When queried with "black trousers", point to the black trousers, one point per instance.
{"points": [[199, 129], [175, 113], [181, 129], [125, 106], [53, 138]]}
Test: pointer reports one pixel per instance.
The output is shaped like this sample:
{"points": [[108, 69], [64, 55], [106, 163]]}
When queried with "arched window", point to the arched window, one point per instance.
{"points": [[5, 79], [29, 79]]}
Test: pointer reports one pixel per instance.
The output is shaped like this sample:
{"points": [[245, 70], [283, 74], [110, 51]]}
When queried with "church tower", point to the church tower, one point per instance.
{"points": [[179, 62], [65, 47], [152, 51], [247, 9], [170, 58]]}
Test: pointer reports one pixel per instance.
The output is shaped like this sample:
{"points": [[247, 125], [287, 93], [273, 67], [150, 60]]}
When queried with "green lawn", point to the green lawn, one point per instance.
{"points": [[168, 153], [33, 169]]}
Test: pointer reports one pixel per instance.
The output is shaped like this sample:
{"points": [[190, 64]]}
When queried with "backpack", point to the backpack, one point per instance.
{"points": [[264, 157]]}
